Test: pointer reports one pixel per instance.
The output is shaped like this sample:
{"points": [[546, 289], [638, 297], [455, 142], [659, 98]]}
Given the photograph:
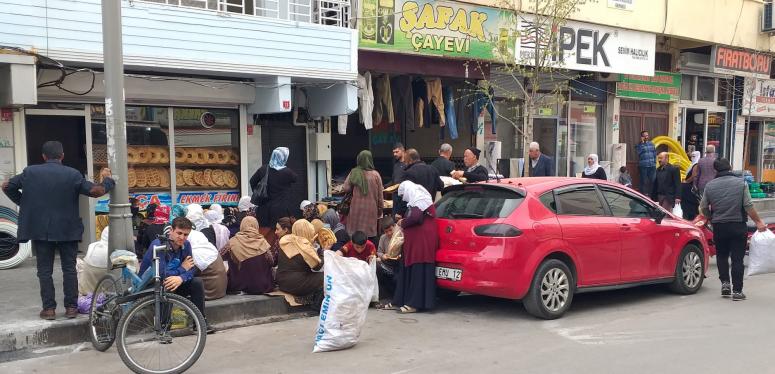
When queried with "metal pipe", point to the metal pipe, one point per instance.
{"points": [[121, 236]]}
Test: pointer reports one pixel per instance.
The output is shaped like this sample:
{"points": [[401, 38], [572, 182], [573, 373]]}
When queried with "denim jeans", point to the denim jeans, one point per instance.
{"points": [[647, 175], [44, 254]]}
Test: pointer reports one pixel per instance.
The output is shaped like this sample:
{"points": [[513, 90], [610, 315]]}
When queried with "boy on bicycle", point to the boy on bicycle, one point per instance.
{"points": [[177, 266]]}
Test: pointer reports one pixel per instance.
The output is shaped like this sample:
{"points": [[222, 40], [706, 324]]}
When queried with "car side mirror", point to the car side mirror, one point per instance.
{"points": [[658, 215]]}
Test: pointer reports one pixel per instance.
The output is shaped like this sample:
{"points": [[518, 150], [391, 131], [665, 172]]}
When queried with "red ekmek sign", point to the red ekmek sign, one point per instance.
{"points": [[740, 62]]}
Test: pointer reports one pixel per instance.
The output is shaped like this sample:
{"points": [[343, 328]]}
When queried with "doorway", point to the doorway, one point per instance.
{"points": [[278, 131], [635, 117], [551, 134], [69, 130]]}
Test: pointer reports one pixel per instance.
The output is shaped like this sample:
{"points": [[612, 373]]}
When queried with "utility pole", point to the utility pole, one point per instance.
{"points": [[115, 121]]}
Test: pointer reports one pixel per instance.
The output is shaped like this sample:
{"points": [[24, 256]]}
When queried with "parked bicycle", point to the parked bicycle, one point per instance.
{"points": [[157, 331]]}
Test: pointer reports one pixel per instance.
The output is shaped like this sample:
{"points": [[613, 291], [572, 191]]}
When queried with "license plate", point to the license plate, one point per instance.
{"points": [[449, 274]]}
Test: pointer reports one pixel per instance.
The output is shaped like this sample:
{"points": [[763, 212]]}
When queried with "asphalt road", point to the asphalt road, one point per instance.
{"points": [[644, 330]]}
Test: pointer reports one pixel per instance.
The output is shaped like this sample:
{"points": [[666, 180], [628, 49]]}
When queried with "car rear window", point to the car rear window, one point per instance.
{"points": [[477, 203]]}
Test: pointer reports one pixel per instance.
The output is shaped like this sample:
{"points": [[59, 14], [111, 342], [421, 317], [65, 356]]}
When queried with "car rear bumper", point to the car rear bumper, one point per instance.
{"points": [[482, 274]]}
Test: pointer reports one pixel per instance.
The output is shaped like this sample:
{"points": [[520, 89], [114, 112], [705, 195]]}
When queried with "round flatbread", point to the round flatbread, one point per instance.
{"points": [[180, 156], [153, 176], [179, 180], [164, 175], [199, 178], [188, 177], [217, 178], [153, 155], [233, 158], [212, 157], [131, 155], [208, 178], [131, 178], [141, 178], [201, 156], [164, 156], [190, 156], [223, 157], [230, 178], [142, 156]]}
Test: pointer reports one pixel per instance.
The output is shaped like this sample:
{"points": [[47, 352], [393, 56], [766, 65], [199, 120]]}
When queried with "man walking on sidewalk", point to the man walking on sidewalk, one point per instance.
{"points": [[705, 170], [647, 155], [667, 184], [725, 202], [47, 195]]}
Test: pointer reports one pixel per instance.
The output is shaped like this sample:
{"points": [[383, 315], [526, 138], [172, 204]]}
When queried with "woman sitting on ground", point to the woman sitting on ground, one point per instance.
{"points": [[298, 264], [331, 218], [250, 260]]}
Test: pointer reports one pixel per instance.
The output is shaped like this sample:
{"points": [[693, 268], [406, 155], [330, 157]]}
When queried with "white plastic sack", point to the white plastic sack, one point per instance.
{"points": [[375, 294], [677, 211], [762, 253], [348, 284]]}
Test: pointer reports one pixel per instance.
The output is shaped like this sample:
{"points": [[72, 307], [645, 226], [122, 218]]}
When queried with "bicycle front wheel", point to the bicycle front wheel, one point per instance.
{"points": [[172, 346], [104, 313]]}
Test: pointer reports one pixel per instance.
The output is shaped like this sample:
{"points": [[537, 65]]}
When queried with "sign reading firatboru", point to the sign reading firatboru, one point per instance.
{"points": [[759, 98], [588, 47]]}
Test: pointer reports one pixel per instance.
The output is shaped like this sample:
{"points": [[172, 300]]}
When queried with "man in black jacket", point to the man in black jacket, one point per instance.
{"points": [[443, 164], [48, 197], [418, 172], [398, 164], [667, 184]]}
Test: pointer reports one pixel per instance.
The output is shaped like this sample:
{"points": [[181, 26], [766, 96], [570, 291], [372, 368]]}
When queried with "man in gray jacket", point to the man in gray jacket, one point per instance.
{"points": [[725, 202]]}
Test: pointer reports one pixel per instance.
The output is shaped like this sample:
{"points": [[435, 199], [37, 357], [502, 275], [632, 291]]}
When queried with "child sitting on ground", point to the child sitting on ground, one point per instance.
{"points": [[359, 247], [624, 177]]}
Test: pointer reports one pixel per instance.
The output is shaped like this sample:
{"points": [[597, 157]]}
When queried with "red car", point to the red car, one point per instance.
{"points": [[542, 240]]}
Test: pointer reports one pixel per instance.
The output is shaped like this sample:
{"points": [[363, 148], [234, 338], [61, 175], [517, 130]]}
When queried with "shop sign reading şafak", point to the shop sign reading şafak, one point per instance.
{"points": [[662, 86], [438, 28]]}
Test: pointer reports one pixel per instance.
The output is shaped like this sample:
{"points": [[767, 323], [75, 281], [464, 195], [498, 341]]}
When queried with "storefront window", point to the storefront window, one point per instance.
{"points": [[585, 117], [148, 157], [687, 87], [706, 88], [768, 147], [206, 155]]}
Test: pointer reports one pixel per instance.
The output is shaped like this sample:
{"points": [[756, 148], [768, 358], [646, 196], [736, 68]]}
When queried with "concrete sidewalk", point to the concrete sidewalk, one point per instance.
{"points": [[23, 334]]}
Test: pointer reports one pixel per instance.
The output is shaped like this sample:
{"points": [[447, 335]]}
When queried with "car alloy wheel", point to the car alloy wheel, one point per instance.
{"points": [[692, 269], [555, 290]]}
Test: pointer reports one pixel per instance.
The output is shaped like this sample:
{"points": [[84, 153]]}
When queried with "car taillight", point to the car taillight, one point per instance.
{"points": [[499, 230]]}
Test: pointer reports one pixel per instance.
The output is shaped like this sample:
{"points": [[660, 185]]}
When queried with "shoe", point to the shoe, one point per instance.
{"points": [[71, 312], [738, 296], [726, 289], [210, 329], [48, 314]]}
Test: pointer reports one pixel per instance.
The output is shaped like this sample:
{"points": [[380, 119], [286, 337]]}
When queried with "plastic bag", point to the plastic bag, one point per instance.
{"points": [[677, 211], [762, 253], [375, 294], [348, 285], [84, 302]]}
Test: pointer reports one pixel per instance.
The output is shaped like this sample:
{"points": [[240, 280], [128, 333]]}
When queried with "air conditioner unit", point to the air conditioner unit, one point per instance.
{"points": [[607, 77], [768, 23], [694, 61]]}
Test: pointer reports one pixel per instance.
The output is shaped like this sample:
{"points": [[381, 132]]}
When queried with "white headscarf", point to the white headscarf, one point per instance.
{"points": [[195, 214], [203, 252], [214, 214], [244, 204], [696, 155], [415, 195], [589, 170], [97, 254]]}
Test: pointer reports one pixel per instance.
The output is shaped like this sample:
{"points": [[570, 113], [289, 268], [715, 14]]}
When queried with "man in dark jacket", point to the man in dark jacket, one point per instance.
{"points": [[443, 164], [48, 197], [539, 164], [418, 172], [667, 184], [398, 164], [725, 202]]}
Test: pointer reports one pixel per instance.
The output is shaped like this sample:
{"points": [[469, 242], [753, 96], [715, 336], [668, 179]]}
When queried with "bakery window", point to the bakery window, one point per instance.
{"points": [[207, 154], [148, 153]]}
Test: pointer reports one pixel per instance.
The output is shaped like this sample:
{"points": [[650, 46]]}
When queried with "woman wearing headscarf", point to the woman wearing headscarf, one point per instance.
{"points": [[690, 203], [309, 211], [298, 264], [178, 210], [95, 264], [416, 286], [280, 202], [283, 227], [366, 205], [152, 231], [196, 215], [216, 233], [593, 169], [331, 218], [211, 268], [250, 260]]}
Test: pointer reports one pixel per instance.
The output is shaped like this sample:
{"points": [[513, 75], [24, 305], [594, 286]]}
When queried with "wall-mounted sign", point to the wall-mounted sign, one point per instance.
{"points": [[622, 4], [735, 61], [662, 86], [224, 198], [759, 98], [437, 28], [143, 199], [588, 47]]}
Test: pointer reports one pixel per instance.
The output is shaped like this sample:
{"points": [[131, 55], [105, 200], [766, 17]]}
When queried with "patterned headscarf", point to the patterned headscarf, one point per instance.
{"points": [[161, 215], [279, 158], [178, 210]]}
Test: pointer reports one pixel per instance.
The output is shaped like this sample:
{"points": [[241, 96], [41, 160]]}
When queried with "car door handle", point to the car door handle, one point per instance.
{"points": [[626, 227]]}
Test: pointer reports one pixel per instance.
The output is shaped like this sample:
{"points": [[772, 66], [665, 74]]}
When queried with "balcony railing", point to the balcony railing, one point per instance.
{"points": [[322, 12]]}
